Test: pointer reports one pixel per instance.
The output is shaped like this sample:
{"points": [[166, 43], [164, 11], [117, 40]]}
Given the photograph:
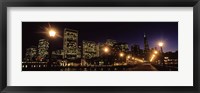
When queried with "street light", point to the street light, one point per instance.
{"points": [[160, 44], [106, 49], [128, 57], [121, 54], [161, 50], [155, 52], [52, 33]]}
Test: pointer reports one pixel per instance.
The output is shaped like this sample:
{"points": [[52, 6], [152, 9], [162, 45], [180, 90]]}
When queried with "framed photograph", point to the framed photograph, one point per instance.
{"points": [[99, 46]]}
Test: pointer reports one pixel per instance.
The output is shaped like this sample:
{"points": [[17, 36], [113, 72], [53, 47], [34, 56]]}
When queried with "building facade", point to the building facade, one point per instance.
{"points": [[43, 47], [120, 47], [70, 43], [136, 51], [90, 49], [79, 53], [171, 58], [58, 54], [31, 53], [146, 45], [110, 42], [146, 48]]}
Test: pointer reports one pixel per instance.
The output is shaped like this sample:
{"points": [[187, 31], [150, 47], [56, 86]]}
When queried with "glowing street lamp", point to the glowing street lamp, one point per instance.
{"points": [[155, 52], [106, 49], [121, 54], [161, 50], [128, 57], [52, 33], [160, 44]]}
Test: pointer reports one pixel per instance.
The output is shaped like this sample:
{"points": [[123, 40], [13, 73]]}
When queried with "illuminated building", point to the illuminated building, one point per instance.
{"points": [[136, 51], [58, 53], [31, 53], [120, 50], [171, 58], [98, 50], [90, 49], [120, 47], [146, 47], [110, 42], [79, 52], [101, 46], [70, 43], [43, 47]]}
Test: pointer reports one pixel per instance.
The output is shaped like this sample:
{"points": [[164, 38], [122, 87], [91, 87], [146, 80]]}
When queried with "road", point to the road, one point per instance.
{"points": [[143, 67]]}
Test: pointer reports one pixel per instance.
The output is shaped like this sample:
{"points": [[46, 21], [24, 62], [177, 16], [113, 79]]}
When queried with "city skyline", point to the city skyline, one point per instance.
{"points": [[100, 31], [100, 46]]}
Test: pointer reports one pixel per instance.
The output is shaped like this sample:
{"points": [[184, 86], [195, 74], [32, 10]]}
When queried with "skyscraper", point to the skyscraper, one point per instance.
{"points": [[90, 49], [70, 43], [43, 47], [146, 47]]}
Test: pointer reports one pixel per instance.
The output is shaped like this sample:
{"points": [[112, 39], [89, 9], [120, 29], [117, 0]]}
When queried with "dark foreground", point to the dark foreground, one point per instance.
{"points": [[135, 67]]}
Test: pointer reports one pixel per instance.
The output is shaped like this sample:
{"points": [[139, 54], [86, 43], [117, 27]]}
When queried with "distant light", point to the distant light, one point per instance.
{"points": [[121, 54], [52, 33], [106, 49], [155, 52], [128, 56]]}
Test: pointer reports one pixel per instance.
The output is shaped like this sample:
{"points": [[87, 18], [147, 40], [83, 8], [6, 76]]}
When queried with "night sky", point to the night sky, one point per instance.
{"points": [[130, 32]]}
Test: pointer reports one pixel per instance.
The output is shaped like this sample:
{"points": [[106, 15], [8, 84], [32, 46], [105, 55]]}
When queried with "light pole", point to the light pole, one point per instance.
{"points": [[127, 58], [106, 51], [52, 34], [121, 56], [160, 44], [156, 52]]}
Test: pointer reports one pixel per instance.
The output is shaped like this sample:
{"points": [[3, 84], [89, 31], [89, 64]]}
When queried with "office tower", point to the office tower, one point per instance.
{"points": [[146, 48], [31, 53], [70, 43], [43, 47], [120, 47], [90, 49]]}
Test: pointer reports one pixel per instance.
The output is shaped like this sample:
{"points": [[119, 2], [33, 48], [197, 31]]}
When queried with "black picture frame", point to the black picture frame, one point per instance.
{"points": [[100, 3]]}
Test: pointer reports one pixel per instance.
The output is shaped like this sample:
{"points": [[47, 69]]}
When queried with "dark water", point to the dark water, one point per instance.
{"points": [[79, 69], [112, 68], [96, 69]]}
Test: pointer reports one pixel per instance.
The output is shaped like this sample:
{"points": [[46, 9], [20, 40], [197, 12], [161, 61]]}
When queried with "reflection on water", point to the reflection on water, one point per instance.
{"points": [[94, 69], [124, 68]]}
